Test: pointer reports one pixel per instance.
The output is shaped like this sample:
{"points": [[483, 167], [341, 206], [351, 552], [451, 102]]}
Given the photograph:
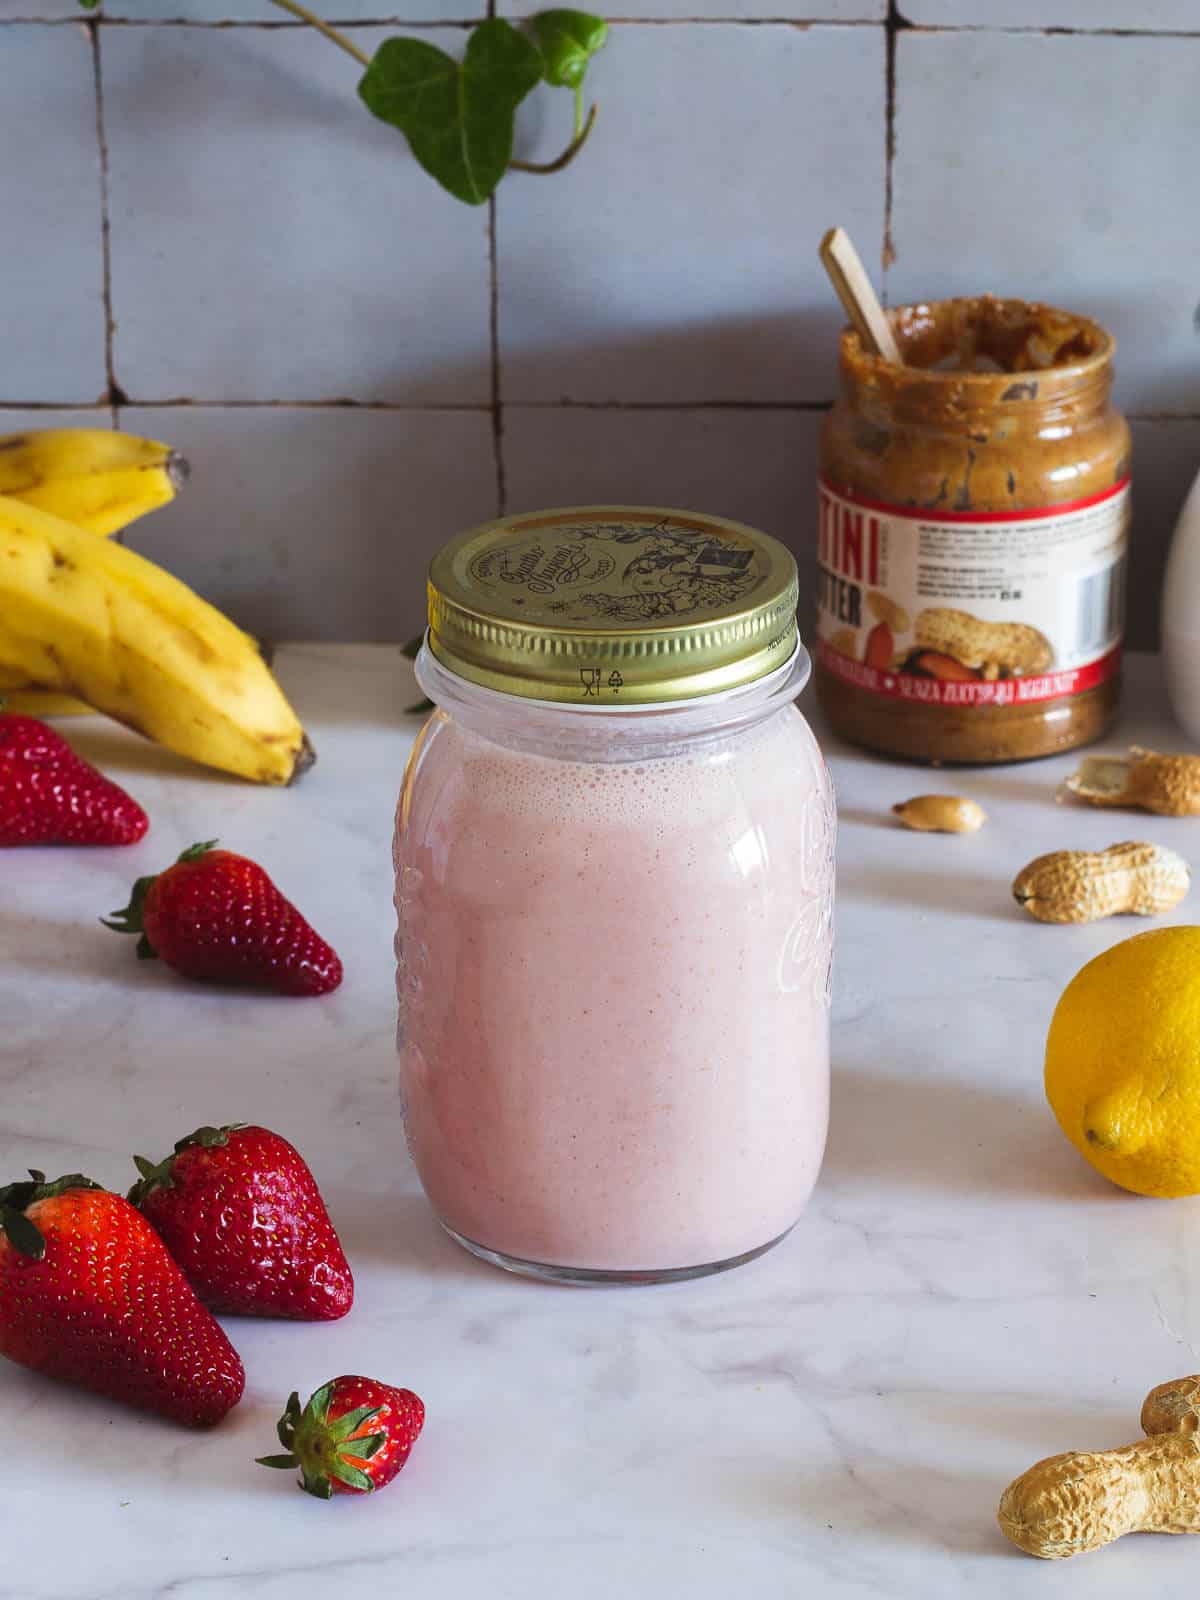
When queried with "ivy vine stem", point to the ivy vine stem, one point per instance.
{"points": [[322, 26], [568, 155], [582, 126]]}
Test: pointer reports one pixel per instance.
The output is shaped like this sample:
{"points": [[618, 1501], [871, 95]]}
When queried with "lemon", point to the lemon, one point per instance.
{"points": [[1123, 1062]]}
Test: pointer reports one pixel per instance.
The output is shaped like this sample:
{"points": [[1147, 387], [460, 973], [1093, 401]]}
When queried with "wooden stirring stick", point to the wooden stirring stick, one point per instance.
{"points": [[854, 289]]}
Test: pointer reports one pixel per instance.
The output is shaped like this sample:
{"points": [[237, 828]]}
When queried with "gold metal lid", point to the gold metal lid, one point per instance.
{"points": [[612, 605]]}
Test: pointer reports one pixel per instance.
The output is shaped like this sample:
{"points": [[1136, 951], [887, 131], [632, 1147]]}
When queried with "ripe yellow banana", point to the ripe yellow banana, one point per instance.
{"points": [[87, 617], [16, 694], [95, 478]]}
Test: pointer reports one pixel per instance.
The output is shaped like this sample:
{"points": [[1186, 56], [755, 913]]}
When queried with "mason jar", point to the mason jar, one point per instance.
{"points": [[614, 887]]}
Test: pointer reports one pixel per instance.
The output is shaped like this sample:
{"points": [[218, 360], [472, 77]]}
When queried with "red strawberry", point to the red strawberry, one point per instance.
{"points": [[49, 795], [352, 1437], [218, 916], [89, 1293], [241, 1213]]}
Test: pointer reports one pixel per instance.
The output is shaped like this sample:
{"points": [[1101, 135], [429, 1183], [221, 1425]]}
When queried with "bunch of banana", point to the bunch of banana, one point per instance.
{"points": [[83, 616], [99, 480]]}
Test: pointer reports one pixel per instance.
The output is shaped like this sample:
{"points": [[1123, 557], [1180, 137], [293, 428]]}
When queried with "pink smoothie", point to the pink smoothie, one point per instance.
{"points": [[614, 994]]}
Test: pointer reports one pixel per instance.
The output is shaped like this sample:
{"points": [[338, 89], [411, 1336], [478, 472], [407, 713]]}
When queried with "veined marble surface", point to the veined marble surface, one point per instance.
{"points": [[835, 1420]]}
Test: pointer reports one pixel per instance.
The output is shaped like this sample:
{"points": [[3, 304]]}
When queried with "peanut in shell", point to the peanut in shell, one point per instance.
{"points": [[1082, 1500], [1143, 780], [1071, 886]]}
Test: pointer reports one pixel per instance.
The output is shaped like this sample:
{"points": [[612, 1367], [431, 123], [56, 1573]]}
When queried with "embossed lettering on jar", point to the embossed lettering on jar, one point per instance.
{"points": [[614, 857]]}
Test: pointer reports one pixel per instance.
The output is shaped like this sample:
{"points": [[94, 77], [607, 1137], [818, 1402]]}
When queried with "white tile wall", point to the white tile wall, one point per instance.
{"points": [[1077, 184], [676, 261], [1143, 15], [51, 271], [756, 466], [316, 524], [270, 240], [799, 10], [40, 10], [16, 419], [273, 250], [335, 11]]}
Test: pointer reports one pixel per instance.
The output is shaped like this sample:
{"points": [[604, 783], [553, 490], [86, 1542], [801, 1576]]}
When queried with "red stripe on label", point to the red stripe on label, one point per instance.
{"points": [[934, 514], [935, 692]]}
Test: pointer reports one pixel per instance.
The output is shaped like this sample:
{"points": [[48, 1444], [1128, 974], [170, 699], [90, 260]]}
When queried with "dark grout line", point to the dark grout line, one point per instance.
{"points": [[290, 25], [114, 388], [263, 25], [894, 23], [497, 375], [116, 408], [490, 408], [669, 405], [123, 402], [1032, 30], [494, 348], [1044, 32], [803, 24], [102, 404]]}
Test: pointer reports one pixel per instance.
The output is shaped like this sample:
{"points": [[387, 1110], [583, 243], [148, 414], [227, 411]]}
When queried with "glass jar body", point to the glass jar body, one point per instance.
{"points": [[614, 943], [988, 502]]}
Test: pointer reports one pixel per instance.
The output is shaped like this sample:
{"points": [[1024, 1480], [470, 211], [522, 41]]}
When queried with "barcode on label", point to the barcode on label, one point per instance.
{"points": [[1099, 607]]}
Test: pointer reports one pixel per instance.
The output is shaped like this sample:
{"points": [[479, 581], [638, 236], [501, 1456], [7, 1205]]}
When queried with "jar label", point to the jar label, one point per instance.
{"points": [[971, 608]]}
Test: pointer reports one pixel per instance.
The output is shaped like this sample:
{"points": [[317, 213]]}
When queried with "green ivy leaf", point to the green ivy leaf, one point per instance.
{"points": [[458, 118], [568, 40], [89, 5]]}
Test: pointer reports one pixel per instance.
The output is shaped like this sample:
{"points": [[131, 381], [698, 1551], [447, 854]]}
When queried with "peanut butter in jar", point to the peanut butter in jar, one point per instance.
{"points": [[974, 509]]}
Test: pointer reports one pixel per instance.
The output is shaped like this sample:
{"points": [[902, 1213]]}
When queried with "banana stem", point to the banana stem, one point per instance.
{"points": [[322, 26], [564, 160]]}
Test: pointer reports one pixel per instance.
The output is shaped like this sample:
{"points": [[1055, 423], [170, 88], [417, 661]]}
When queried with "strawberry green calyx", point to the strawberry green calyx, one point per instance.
{"points": [[129, 919], [324, 1450], [162, 1175], [15, 1200]]}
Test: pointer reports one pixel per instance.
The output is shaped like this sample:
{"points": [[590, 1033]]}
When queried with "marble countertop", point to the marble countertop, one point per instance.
{"points": [[837, 1419]]}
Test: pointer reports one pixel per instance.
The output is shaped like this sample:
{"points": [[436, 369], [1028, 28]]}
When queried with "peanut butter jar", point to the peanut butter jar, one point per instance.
{"points": [[973, 522]]}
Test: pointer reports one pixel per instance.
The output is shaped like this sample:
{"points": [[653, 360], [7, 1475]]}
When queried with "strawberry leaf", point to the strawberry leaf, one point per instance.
{"points": [[317, 1409], [363, 1449], [457, 117], [22, 1235], [276, 1461], [209, 1138], [352, 1421], [195, 851], [129, 919], [16, 1198], [352, 1477]]}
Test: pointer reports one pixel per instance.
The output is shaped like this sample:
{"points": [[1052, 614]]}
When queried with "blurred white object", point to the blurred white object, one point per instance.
{"points": [[1181, 617]]}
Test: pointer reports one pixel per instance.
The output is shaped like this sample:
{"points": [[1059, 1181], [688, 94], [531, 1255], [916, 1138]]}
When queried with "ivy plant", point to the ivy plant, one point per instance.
{"points": [[459, 116]]}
